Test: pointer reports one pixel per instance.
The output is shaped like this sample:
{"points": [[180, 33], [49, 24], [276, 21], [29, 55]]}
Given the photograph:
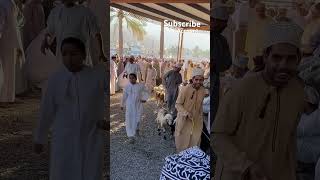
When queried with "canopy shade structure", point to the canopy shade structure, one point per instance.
{"points": [[171, 10]]}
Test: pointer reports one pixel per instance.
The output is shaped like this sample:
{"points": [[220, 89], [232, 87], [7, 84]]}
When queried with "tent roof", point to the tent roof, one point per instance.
{"points": [[172, 10]]}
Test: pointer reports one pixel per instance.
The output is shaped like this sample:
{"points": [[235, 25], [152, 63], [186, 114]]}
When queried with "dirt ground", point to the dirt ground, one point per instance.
{"points": [[17, 162], [144, 159]]}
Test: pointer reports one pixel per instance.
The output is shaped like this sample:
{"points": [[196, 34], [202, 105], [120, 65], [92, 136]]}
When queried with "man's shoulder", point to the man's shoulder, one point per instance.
{"points": [[247, 84]]}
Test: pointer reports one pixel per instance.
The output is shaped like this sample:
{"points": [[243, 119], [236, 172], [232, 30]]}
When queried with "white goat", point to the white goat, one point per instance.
{"points": [[164, 120]]}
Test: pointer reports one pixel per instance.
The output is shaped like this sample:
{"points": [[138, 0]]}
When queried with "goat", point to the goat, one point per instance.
{"points": [[159, 99], [163, 120]]}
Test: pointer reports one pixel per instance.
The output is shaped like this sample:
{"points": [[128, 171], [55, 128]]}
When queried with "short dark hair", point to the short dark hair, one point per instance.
{"points": [[76, 42], [134, 75]]}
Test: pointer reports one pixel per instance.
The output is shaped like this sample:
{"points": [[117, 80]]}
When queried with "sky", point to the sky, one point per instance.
{"points": [[171, 37]]}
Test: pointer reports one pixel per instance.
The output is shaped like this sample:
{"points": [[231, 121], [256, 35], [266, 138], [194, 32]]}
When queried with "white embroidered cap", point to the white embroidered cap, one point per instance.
{"points": [[197, 72]]}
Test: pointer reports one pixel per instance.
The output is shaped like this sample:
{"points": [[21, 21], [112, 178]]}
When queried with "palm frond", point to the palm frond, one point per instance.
{"points": [[136, 27]]}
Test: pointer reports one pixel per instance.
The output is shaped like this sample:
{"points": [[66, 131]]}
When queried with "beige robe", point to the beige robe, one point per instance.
{"points": [[188, 131], [143, 67], [10, 42], [189, 73], [151, 79], [243, 137], [254, 40]]}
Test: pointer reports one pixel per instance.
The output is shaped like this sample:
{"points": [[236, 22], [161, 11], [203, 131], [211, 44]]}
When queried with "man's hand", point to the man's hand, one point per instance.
{"points": [[37, 148]]}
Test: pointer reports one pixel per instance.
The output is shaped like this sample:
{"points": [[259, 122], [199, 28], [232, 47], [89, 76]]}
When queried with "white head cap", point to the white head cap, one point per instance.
{"points": [[197, 72], [282, 32], [220, 12], [311, 95]]}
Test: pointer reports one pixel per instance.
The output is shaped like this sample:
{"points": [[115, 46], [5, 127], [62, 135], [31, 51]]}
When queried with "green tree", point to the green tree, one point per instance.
{"points": [[135, 24]]}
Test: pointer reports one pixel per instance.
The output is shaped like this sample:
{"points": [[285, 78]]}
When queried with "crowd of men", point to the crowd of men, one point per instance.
{"points": [[266, 99], [265, 117], [30, 40], [61, 54], [175, 77], [151, 70]]}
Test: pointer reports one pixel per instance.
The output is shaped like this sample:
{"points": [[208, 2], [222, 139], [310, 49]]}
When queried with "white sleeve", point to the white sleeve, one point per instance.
{"points": [[144, 93], [47, 113], [206, 105], [124, 97]]}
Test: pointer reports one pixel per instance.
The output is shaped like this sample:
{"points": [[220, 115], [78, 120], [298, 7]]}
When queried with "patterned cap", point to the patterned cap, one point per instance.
{"points": [[282, 32], [197, 72], [191, 163]]}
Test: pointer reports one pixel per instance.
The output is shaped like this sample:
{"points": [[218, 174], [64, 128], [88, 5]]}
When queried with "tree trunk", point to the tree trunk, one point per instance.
{"points": [[178, 46]]}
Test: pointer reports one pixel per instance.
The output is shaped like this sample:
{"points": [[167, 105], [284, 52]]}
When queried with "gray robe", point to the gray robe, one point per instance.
{"points": [[172, 80]]}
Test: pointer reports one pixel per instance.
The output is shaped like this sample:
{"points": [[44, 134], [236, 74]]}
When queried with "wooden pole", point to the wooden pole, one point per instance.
{"points": [[162, 40], [181, 45], [178, 46]]}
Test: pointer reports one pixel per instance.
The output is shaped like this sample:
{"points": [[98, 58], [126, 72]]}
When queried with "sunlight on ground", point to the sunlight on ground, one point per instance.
{"points": [[116, 126], [114, 104], [113, 115]]}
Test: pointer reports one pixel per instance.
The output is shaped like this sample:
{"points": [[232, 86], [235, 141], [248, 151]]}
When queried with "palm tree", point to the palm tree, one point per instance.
{"points": [[134, 23]]}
